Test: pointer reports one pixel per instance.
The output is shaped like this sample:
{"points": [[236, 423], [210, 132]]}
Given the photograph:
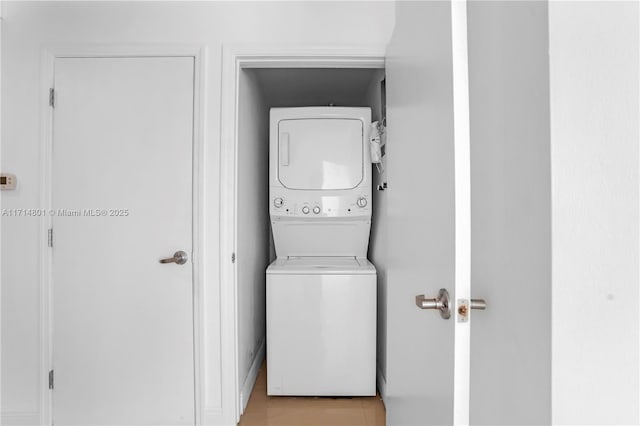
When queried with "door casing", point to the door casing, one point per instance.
{"points": [[50, 54], [235, 59]]}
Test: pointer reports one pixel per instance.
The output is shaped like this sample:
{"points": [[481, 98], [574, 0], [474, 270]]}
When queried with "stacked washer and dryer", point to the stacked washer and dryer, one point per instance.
{"points": [[321, 289]]}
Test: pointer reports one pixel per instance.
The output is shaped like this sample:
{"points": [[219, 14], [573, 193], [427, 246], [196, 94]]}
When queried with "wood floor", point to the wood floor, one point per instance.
{"points": [[264, 410]]}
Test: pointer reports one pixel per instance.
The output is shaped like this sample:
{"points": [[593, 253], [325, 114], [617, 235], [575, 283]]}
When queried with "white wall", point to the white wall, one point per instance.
{"points": [[594, 133], [27, 27], [254, 238], [510, 212], [378, 240]]}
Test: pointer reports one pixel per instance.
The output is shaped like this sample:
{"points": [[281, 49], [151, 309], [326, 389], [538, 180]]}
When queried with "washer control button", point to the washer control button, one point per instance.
{"points": [[278, 202], [316, 209], [305, 210], [362, 202]]}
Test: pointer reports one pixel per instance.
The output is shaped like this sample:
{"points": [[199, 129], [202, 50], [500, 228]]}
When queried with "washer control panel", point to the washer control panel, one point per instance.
{"points": [[306, 205]]}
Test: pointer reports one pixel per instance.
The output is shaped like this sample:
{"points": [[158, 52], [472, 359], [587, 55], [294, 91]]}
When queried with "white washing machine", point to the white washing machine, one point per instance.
{"points": [[321, 337], [321, 289]]}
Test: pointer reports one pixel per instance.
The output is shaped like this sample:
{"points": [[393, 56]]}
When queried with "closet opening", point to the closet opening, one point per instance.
{"points": [[260, 89]]}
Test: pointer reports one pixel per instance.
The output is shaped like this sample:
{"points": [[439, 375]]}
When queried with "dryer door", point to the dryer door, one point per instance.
{"points": [[322, 153]]}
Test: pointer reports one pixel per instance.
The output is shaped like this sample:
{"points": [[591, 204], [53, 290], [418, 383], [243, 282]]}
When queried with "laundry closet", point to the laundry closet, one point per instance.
{"points": [[261, 89]]}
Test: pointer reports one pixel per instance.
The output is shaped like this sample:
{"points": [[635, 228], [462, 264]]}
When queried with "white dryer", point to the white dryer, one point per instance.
{"points": [[321, 289]]}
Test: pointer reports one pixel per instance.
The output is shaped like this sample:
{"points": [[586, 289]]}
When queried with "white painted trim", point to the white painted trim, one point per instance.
{"points": [[382, 383], [212, 416], [19, 418], [252, 375], [46, 138], [1, 422], [198, 241], [227, 279], [462, 189], [108, 50], [313, 56], [234, 58], [49, 55]]}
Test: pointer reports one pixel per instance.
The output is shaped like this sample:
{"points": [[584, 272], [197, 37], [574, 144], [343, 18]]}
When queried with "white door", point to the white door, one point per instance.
{"points": [[428, 216], [122, 322]]}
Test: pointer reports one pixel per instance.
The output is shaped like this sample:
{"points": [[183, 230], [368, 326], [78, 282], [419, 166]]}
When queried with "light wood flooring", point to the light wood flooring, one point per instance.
{"points": [[264, 410]]}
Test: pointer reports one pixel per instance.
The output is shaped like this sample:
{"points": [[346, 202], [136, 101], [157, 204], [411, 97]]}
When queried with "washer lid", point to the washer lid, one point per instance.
{"points": [[321, 265]]}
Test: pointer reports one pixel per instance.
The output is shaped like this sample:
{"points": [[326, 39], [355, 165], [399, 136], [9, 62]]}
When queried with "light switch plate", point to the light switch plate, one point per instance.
{"points": [[8, 181]]}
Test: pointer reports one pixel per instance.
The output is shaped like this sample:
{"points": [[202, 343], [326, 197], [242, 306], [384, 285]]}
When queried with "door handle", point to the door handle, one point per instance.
{"points": [[478, 304], [465, 305], [441, 303], [179, 257]]}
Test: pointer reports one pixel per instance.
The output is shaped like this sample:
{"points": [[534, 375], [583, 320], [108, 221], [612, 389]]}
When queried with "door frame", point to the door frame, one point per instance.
{"points": [[235, 58], [47, 80], [462, 189]]}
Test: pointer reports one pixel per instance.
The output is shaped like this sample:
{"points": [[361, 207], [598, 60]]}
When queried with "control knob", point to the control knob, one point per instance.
{"points": [[316, 209], [305, 210], [362, 202], [278, 202]]}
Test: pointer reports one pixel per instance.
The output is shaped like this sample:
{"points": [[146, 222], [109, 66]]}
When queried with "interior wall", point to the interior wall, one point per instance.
{"points": [[253, 238], [510, 212], [594, 48], [30, 26], [297, 87], [260, 90], [378, 239]]}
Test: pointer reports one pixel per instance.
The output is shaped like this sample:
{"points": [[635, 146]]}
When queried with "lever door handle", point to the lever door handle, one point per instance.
{"points": [[179, 257], [441, 303]]}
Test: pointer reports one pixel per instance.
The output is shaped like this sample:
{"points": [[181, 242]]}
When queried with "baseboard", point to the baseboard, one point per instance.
{"points": [[20, 418], [214, 416], [250, 381], [211, 416], [382, 384]]}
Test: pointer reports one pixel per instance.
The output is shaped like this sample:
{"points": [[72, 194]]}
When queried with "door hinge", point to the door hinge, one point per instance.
{"points": [[50, 379], [50, 237], [233, 258], [52, 98]]}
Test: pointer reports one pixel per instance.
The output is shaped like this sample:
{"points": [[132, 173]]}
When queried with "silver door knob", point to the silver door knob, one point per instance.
{"points": [[179, 257], [441, 303]]}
